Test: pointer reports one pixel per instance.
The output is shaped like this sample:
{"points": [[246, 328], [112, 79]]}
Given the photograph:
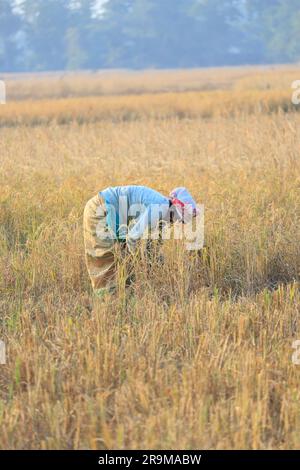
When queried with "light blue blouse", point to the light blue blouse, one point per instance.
{"points": [[143, 205]]}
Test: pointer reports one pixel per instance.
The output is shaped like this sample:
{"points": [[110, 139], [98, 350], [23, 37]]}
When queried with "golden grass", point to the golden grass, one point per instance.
{"points": [[199, 354], [109, 82], [131, 96], [190, 105]]}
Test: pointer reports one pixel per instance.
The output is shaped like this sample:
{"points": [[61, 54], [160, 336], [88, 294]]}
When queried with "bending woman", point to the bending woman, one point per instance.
{"points": [[126, 214]]}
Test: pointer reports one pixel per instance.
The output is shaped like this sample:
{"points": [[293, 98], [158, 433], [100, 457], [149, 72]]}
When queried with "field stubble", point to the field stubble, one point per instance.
{"points": [[199, 354]]}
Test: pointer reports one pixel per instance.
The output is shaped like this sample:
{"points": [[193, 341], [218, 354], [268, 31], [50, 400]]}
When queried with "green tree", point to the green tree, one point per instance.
{"points": [[9, 26], [282, 31], [78, 41], [74, 34], [76, 57], [217, 36], [185, 33], [46, 24]]}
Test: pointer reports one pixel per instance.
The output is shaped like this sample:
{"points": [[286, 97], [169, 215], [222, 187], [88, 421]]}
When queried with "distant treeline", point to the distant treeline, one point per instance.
{"points": [[41, 35]]}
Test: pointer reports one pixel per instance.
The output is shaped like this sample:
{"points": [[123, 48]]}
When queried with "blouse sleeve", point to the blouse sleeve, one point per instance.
{"points": [[147, 220]]}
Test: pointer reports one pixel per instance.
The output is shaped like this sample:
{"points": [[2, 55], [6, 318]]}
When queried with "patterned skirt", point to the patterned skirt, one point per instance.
{"points": [[99, 246]]}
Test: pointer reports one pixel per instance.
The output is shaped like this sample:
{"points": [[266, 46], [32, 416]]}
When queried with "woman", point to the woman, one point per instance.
{"points": [[126, 214]]}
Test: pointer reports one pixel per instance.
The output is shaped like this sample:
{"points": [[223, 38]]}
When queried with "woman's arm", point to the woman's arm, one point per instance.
{"points": [[148, 220]]}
